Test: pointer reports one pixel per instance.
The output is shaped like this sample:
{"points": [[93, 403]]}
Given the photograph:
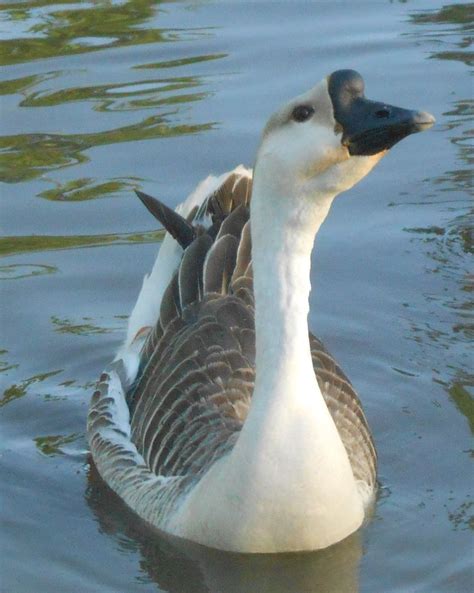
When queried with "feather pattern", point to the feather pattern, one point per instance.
{"points": [[192, 394]]}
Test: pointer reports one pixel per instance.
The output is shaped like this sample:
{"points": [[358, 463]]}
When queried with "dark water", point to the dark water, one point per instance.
{"points": [[100, 97]]}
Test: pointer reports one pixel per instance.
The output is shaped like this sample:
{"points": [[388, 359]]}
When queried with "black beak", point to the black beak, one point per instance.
{"points": [[369, 127]]}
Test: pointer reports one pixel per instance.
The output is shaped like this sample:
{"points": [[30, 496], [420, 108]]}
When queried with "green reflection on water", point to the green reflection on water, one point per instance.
{"points": [[122, 96], [18, 390], [50, 30], [18, 85], [181, 62], [27, 156], [450, 245], [60, 31], [461, 109], [462, 517], [66, 326], [461, 178], [461, 15], [52, 445], [85, 188], [462, 56], [4, 364], [32, 243], [19, 271], [464, 402]]}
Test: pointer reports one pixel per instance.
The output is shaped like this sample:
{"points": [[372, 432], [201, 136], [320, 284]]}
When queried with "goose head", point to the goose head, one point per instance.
{"points": [[327, 139]]}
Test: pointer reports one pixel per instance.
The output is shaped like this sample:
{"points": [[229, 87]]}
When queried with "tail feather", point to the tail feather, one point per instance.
{"points": [[177, 226]]}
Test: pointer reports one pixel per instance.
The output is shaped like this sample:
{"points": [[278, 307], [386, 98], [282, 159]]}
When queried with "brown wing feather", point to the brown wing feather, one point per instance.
{"points": [[198, 365], [220, 265], [190, 275]]}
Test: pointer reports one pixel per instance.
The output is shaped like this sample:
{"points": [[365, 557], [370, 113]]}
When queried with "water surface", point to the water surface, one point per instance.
{"points": [[101, 97]]}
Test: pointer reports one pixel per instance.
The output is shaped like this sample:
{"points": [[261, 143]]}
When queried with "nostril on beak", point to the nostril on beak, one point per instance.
{"points": [[383, 113]]}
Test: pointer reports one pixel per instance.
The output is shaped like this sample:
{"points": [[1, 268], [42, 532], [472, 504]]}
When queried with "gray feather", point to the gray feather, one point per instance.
{"points": [[170, 306], [220, 264], [234, 223], [190, 270]]}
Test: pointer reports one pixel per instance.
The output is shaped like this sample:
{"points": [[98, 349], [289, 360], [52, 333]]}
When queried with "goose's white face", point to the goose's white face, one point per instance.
{"points": [[308, 153], [329, 138]]}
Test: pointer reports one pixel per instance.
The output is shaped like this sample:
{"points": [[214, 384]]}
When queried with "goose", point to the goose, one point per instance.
{"points": [[222, 420]]}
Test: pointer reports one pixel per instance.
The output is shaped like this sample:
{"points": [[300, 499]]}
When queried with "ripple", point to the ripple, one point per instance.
{"points": [[53, 445], [20, 85], [28, 156], [35, 243], [55, 30], [18, 390], [82, 189], [451, 28], [94, 41], [181, 61], [5, 365], [84, 328], [124, 96], [18, 271]]}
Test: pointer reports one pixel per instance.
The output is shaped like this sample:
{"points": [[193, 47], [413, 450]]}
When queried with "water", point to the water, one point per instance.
{"points": [[100, 97]]}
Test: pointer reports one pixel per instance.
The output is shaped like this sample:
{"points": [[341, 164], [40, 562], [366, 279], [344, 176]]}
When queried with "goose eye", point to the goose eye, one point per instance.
{"points": [[302, 113]]}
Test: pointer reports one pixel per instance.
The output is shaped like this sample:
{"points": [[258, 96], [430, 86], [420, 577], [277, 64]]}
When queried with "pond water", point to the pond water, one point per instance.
{"points": [[104, 96]]}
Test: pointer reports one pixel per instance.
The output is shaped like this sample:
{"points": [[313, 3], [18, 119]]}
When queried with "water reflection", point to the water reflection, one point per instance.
{"points": [[21, 271], [463, 401], [18, 390], [460, 15], [180, 567], [143, 94], [68, 27], [19, 85], [86, 328], [86, 188], [53, 445], [27, 156], [181, 62], [462, 516], [33, 243], [449, 246], [5, 364]]}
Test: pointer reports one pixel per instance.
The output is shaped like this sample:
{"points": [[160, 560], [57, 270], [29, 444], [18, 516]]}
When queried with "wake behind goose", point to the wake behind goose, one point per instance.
{"points": [[222, 419]]}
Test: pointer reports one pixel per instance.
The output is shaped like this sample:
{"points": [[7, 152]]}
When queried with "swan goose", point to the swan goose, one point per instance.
{"points": [[220, 421]]}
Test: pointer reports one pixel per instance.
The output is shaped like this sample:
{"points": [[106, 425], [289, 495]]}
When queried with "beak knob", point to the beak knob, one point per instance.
{"points": [[370, 127]]}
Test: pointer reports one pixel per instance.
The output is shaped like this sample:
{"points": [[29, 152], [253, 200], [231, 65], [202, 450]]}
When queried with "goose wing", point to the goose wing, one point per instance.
{"points": [[197, 371]]}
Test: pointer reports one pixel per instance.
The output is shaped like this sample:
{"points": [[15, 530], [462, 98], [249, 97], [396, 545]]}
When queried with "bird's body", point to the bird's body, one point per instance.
{"points": [[222, 419]]}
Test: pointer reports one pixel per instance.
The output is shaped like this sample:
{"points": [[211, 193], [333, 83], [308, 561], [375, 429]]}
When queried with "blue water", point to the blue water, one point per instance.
{"points": [[100, 97]]}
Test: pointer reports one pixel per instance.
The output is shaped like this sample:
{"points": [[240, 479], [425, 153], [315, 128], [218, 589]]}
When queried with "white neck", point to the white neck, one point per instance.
{"points": [[282, 239], [288, 484]]}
